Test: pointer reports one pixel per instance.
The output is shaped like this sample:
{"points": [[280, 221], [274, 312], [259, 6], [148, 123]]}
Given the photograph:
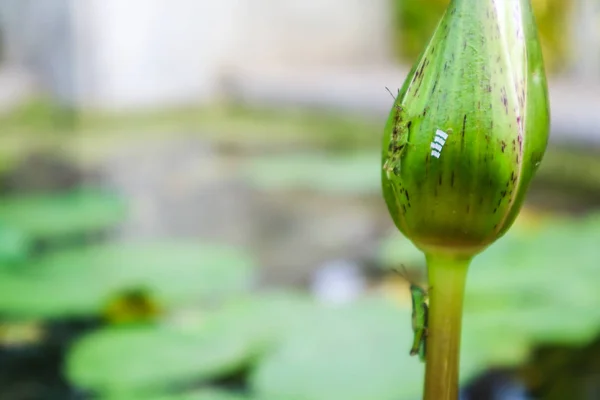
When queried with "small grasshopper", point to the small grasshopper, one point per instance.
{"points": [[420, 313], [398, 141]]}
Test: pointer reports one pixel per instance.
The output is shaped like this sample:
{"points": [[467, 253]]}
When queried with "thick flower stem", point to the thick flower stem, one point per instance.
{"points": [[447, 276]]}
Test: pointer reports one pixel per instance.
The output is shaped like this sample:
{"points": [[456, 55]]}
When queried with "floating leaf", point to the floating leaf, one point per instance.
{"points": [[158, 357], [152, 358], [356, 352], [53, 216], [264, 319], [80, 281], [203, 394], [15, 245], [352, 174], [532, 285], [535, 288]]}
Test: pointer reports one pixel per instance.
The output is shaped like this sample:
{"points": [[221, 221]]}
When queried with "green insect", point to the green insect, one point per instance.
{"points": [[420, 312], [398, 141]]}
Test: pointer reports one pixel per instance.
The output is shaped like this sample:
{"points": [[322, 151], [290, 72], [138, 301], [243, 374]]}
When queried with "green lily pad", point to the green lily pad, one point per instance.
{"points": [[53, 216], [15, 245], [536, 288], [264, 319], [80, 281], [350, 174], [203, 394], [150, 359], [355, 352], [226, 341], [530, 286]]}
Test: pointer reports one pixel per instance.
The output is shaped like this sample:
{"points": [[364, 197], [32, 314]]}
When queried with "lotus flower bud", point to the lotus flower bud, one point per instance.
{"points": [[468, 128]]}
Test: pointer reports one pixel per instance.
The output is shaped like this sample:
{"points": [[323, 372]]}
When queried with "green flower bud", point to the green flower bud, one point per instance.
{"points": [[468, 128]]}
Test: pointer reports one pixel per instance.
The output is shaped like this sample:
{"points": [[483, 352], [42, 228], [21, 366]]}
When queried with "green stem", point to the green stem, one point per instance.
{"points": [[447, 277]]}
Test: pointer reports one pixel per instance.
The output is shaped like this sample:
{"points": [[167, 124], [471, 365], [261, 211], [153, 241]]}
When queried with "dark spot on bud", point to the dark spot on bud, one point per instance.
{"points": [[503, 193], [503, 145], [406, 195], [495, 210]]}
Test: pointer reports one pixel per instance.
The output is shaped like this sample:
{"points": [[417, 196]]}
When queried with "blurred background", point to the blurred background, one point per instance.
{"points": [[190, 207]]}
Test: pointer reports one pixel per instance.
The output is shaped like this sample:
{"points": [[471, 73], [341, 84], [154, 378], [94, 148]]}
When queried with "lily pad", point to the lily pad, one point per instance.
{"points": [[150, 359], [537, 288], [80, 281], [532, 285], [153, 358], [356, 352], [52, 216], [349, 174], [203, 394], [264, 319], [15, 245]]}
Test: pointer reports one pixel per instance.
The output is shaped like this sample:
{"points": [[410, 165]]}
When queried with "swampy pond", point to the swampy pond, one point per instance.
{"points": [[228, 254]]}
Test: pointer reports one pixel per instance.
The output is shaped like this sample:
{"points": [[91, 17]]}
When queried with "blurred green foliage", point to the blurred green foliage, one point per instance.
{"points": [[529, 287], [354, 173], [534, 285], [212, 329], [52, 217], [79, 281], [416, 20], [202, 394]]}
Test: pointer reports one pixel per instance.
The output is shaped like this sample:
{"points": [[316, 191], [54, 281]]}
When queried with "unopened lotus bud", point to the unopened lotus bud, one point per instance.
{"points": [[468, 128]]}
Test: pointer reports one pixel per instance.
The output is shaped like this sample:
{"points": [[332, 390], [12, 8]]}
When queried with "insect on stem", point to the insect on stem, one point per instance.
{"points": [[419, 316]]}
